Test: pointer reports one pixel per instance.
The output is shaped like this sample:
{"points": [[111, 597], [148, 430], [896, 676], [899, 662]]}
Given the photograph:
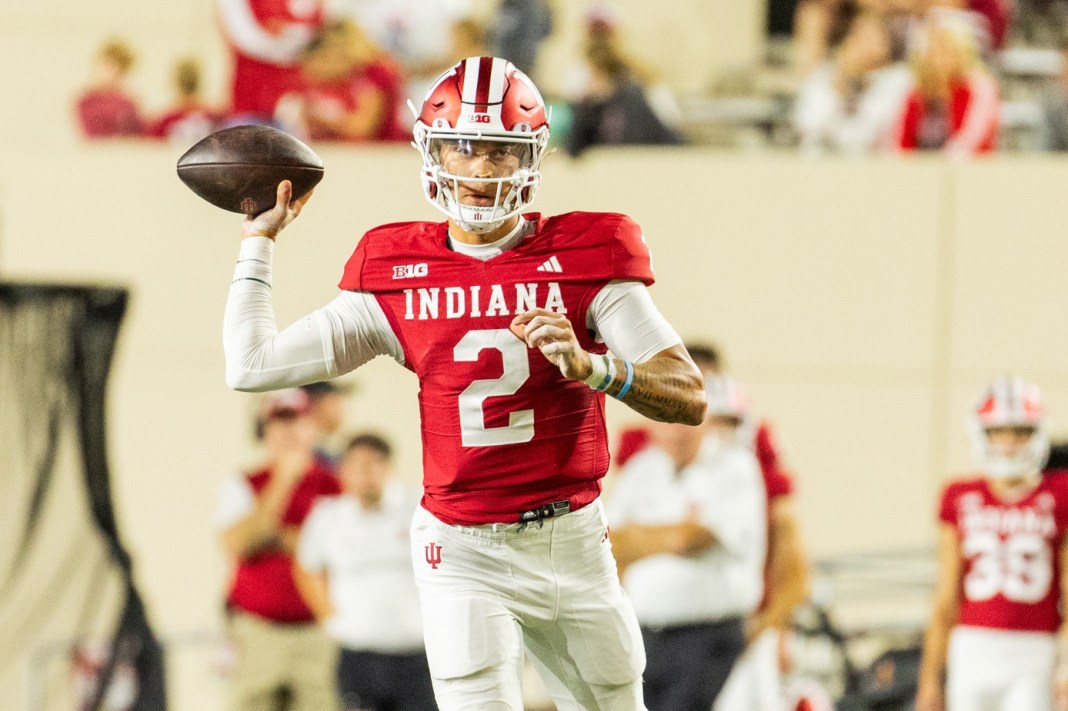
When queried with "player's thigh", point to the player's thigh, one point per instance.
{"points": [[494, 688], [596, 616], [1029, 693], [465, 594]]}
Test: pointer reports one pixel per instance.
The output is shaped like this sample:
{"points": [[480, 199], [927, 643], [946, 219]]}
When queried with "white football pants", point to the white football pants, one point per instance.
{"points": [[486, 592], [999, 670]]}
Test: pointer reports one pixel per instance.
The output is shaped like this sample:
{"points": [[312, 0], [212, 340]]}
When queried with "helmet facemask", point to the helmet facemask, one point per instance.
{"points": [[512, 192]]}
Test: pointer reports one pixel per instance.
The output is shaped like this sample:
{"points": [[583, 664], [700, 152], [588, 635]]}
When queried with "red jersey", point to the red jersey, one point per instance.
{"points": [[503, 431], [1010, 552], [257, 83], [263, 584], [337, 99]]}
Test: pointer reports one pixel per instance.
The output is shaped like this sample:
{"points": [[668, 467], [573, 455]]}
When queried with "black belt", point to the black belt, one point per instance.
{"points": [[556, 508]]}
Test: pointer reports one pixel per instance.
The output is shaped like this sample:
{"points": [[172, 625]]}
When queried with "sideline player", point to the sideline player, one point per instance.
{"points": [[507, 319], [999, 598]]}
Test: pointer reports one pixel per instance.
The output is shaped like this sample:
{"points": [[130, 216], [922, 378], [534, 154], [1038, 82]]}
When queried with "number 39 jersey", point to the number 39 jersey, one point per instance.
{"points": [[1010, 575], [503, 431]]}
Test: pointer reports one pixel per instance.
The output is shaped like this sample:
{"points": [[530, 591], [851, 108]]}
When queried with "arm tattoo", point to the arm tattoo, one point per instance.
{"points": [[667, 388]]}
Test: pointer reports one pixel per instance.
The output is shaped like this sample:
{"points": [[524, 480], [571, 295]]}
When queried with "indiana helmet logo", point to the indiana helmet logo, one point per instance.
{"points": [[433, 555], [248, 206]]}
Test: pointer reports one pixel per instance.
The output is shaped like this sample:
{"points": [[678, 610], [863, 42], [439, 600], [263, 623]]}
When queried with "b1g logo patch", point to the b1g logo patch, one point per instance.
{"points": [[409, 271]]}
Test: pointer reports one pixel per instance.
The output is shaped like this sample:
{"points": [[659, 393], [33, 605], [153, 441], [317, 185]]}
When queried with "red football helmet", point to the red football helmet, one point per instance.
{"points": [[482, 99], [1010, 401]]}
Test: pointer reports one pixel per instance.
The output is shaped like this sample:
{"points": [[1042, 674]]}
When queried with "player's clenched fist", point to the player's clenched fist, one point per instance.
{"points": [[551, 333]]}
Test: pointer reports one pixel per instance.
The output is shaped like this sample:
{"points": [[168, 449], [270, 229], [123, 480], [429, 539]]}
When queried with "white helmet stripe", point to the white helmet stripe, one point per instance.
{"points": [[470, 91], [496, 85]]}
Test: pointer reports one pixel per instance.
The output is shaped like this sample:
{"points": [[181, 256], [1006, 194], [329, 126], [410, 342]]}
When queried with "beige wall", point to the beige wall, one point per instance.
{"points": [[864, 302]]}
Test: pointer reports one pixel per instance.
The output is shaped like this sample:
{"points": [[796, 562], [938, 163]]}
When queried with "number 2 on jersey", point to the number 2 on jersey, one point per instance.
{"points": [[473, 430]]}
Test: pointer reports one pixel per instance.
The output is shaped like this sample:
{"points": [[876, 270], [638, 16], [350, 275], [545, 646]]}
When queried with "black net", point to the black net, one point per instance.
{"points": [[73, 630]]}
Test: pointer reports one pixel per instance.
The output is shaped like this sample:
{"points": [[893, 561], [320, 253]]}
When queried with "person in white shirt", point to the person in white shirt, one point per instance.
{"points": [[687, 523], [354, 568], [851, 104]]}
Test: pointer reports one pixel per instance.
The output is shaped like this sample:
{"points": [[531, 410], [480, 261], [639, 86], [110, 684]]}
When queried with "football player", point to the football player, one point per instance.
{"points": [[517, 325], [997, 623]]}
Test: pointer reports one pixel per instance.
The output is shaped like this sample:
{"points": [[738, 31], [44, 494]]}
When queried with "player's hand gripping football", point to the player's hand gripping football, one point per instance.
{"points": [[273, 221], [551, 333]]}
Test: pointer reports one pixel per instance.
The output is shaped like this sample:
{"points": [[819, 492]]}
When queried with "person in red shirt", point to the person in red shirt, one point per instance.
{"points": [[266, 39], [997, 631], [955, 105], [280, 651], [517, 326], [190, 118], [107, 109], [352, 90]]}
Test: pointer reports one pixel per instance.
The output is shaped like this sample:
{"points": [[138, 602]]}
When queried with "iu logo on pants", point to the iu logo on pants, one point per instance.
{"points": [[433, 555]]}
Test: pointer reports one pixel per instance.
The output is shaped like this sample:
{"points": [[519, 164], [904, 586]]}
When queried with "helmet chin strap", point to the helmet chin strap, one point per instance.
{"points": [[482, 226]]}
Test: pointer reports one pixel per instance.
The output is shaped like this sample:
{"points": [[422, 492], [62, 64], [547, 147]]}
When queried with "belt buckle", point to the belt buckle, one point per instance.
{"points": [[556, 508]]}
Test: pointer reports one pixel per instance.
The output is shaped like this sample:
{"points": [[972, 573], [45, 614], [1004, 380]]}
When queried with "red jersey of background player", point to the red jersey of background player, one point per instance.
{"points": [[503, 430], [1009, 551], [258, 83]]}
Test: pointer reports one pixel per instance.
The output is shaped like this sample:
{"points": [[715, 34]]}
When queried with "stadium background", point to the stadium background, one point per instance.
{"points": [[864, 301]]}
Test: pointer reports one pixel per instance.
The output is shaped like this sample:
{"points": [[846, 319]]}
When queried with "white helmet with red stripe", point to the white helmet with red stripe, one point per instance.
{"points": [[482, 99], [1010, 401]]}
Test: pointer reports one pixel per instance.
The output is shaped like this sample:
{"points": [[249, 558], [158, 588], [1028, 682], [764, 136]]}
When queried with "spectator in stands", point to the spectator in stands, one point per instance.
{"points": [[616, 110], [355, 570], [996, 639], [283, 659], [106, 108], [687, 527], [819, 25], [603, 36], [411, 31], [990, 20], [266, 39], [517, 30], [852, 103], [954, 107], [1054, 131], [352, 90], [190, 118], [327, 399], [467, 38]]}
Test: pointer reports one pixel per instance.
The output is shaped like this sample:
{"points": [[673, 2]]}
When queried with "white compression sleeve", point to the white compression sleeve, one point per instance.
{"points": [[344, 334], [624, 316]]}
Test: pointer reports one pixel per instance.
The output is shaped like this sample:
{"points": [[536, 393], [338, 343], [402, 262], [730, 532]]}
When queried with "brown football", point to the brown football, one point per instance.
{"points": [[239, 168]]}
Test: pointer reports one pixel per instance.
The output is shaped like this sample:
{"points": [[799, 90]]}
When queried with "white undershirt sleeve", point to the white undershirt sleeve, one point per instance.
{"points": [[343, 335], [624, 317]]}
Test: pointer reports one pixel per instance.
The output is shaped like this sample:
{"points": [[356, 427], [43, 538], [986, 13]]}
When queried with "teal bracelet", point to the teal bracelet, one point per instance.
{"points": [[629, 381]]}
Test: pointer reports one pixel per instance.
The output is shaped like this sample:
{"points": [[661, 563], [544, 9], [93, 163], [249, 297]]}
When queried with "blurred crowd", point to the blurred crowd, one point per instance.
{"points": [[862, 76]]}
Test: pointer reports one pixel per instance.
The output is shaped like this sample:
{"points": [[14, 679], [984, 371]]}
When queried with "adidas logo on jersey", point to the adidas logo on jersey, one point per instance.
{"points": [[552, 264]]}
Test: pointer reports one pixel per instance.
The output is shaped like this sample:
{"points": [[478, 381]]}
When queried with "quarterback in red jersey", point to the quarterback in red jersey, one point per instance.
{"points": [[998, 627], [516, 325]]}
